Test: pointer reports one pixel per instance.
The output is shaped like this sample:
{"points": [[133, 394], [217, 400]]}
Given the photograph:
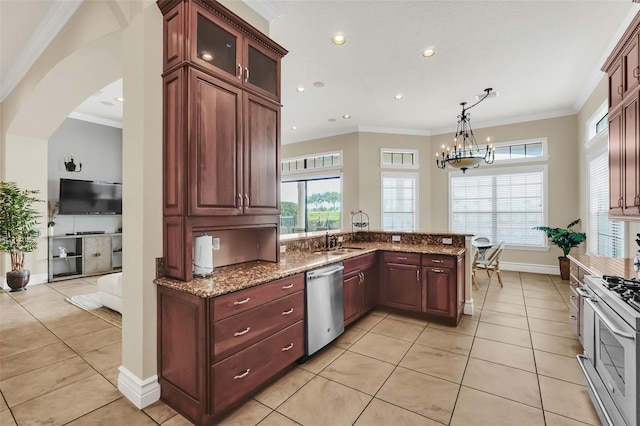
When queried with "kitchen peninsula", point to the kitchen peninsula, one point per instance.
{"points": [[223, 337]]}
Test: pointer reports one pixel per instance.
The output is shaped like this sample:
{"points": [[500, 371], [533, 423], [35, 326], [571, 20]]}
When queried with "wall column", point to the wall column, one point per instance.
{"points": [[142, 201]]}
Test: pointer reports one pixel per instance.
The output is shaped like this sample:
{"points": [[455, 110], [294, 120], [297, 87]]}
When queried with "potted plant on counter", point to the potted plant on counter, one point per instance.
{"points": [[18, 230], [566, 239]]}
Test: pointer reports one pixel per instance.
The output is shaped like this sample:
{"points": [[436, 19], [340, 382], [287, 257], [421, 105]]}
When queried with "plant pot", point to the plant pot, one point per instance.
{"points": [[18, 280], [564, 267], [50, 231]]}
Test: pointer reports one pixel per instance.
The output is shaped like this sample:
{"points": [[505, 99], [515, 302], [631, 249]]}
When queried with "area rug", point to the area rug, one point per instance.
{"points": [[91, 303]]}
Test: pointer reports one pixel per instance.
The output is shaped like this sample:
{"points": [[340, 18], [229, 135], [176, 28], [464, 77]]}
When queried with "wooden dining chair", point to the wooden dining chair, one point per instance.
{"points": [[490, 262]]}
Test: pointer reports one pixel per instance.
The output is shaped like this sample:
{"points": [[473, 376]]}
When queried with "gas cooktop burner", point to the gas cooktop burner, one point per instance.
{"points": [[628, 289]]}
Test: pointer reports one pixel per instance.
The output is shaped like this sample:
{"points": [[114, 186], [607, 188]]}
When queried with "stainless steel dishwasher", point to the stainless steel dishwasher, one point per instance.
{"points": [[324, 306]]}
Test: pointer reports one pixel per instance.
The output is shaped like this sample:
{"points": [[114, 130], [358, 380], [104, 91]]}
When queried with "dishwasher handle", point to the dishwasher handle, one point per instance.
{"points": [[324, 273]]}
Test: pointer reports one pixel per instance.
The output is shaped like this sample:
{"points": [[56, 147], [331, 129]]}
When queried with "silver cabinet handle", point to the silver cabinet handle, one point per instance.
{"points": [[635, 73], [240, 71], [620, 90], [286, 348], [289, 312], [401, 258], [241, 333], [418, 275], [572, 297], [246, 74], [573, 317], [439, 271], [437, 261], [584, 293], [240, 197], [243, 375], [287, 287], [241, 302], [246, 197]]}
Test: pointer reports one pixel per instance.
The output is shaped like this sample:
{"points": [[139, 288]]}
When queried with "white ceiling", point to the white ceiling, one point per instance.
{"points": [[542, 56]]}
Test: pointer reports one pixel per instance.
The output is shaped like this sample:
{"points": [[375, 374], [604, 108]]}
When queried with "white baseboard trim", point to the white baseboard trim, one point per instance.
{"points": [[530, 267], [140, 392], [468, 307], [33, 280]]}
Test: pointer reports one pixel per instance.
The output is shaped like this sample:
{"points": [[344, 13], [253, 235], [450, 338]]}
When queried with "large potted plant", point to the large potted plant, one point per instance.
{"points": [[566, 239], [18, 230]]}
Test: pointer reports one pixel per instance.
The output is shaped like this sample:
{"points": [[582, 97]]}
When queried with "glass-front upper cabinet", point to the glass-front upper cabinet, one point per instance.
{"points": [[225, 51]]}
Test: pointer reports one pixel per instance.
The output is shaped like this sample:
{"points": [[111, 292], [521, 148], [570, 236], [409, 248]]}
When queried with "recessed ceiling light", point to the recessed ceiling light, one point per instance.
{"points": [[318, 84], [294, 128], [346, 116], [207, 56], [301, 89], [119, 99], [427, 53], [398, 97], [338, 39]]}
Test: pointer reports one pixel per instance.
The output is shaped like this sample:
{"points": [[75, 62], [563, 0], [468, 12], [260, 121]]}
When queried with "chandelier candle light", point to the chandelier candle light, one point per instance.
{"points": [[466, 153]]}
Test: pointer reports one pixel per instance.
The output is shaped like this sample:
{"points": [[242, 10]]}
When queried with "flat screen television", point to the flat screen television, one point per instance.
{"points": [[90, 197]]}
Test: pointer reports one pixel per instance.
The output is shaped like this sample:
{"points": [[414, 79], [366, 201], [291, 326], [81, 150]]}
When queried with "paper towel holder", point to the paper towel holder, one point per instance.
{"points": [[203, 256]]}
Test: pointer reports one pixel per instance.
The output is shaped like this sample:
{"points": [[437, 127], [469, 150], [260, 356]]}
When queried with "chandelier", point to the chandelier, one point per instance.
{"points": [[465, 152]]}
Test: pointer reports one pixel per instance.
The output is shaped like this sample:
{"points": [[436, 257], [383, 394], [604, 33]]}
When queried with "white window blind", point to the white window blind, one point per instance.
{"points": [[399, 202], [503, 206], [606, 237]]}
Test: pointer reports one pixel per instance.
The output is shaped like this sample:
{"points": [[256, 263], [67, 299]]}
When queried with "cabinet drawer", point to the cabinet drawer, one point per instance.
{"points": [[402, 258], [438, 260], [242, 373], [573, 316], [573, 296], [240, 301], [240, 331], [360, 262]]}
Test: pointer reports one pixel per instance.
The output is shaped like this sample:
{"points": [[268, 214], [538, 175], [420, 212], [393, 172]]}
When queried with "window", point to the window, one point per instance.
{"points": [[502, 204], [311, 205], [399, 158], [330, 160], [399, 202], [606, 237], [535, 149]]}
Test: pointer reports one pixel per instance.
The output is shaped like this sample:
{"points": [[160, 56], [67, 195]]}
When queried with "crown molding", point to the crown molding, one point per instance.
{"points": [[55, 19], [95, 119], [265, 8], [394, 131]]}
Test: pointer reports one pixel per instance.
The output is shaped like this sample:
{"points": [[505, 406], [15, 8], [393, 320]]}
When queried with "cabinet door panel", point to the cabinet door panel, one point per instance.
{"points": [[437, 292], [214, 145], [403, 289], [352, 299], [263, 70], [615, 164], [630, 66], [97, 254], [630, 156], [369, 288], [261, 156], [174, 143], [615, 85]]}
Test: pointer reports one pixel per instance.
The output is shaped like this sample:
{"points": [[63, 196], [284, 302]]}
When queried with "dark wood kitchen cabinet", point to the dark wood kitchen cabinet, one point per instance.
{"points": [[430, 284], [623, 70], [214, 353], [233, 150], [401, 287], [221, 129], [360, 285], [443, 286]]}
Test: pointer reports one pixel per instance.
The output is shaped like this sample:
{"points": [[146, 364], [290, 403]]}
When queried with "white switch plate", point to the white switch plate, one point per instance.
{"points": [[395, 238], [447, 241], [216, 243]]}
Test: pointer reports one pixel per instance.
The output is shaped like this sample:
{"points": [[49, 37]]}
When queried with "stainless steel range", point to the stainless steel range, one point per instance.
{"points": [[611, 359]]}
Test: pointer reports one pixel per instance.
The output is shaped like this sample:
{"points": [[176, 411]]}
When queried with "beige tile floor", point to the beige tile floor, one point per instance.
{"points": [[512, 363]]}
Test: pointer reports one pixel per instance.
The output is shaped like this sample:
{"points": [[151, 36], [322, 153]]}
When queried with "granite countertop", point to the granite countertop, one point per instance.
{"points": [[227, 279], [600, 266]]}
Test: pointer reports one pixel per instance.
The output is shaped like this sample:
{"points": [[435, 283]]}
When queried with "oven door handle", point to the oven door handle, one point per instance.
{"points": [[581, 361], [615, 330]]}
